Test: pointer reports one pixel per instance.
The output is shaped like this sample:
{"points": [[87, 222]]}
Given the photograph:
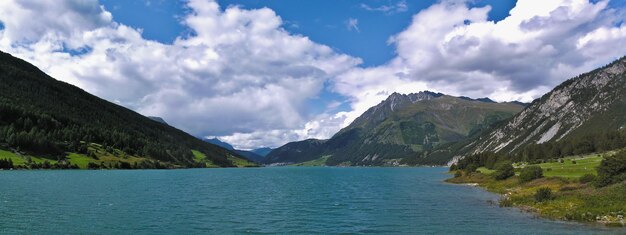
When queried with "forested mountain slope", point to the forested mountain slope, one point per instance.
{"points": [[44, 117]]}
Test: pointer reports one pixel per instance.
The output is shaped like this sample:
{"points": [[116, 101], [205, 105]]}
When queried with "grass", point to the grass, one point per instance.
{"points": [[241, 162], [572, 200], [22, 160], [485, 170], [586, 164], [200, 157], [317, 162], [79, 159], [103, 156]]}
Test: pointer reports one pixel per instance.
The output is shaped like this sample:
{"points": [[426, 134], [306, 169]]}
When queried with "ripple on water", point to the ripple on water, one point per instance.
{"points": [[259, 201]]}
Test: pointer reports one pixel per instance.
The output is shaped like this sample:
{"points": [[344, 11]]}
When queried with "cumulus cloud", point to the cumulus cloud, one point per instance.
{"points": [[398, 7], [455, 49], [240, 76], [238, 72]]}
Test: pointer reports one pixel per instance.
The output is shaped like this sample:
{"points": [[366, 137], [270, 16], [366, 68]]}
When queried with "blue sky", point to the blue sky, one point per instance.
{"points": [[160, 20], [322, 22], [263, 73]]}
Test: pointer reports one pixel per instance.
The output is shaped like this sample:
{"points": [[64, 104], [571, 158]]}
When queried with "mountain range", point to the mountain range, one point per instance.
{"points": [[582, 115], [400, 130]]}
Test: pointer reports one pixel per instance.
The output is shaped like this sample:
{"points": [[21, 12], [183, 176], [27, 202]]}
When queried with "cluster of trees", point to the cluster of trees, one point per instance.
{"points": [[45, 117], [590, 143], [612, 170], [147, 164], [530, 173], [504, 170], [6, 164], [473, 162]]}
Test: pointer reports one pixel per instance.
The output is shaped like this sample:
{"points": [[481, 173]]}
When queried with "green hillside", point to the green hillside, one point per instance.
{"points": [[43, 117], [401, 130], [584, 114]]}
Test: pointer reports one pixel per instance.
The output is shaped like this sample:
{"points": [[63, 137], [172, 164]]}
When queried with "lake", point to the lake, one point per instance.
{"points": [[288, 200]]}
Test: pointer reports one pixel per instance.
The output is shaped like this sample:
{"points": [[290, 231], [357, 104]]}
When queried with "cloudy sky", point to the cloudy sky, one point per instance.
{"points": [[262, 73]]}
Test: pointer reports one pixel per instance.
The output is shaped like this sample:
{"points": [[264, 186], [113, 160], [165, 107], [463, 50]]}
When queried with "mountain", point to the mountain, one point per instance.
{"points": [[158, 119], [220, 143], [401, 129], [294, 152], [262, 151], [570, 119], [250, 155], [43, 117]]}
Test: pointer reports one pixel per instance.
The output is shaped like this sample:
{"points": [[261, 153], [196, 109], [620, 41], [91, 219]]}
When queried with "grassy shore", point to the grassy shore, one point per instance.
{"points": [[107, 157], [571, 198]]}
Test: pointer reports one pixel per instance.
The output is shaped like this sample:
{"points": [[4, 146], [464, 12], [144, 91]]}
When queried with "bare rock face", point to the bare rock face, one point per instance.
{"points": [[573, 107]]}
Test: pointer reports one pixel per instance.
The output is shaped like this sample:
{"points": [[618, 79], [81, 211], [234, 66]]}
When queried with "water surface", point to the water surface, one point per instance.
{"points": [[285, 200]]}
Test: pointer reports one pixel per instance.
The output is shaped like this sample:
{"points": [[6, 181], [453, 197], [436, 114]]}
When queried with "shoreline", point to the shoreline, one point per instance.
{"points": [[514, 195]]}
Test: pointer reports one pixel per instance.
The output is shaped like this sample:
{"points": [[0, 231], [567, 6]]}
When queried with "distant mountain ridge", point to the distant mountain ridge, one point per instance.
{"points": [[255, 155], [400, 130]]}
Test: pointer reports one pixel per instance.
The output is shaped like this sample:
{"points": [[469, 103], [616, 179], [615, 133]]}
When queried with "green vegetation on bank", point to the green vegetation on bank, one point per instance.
{"points": [[93, 156], [317, 162], [560, 190]]}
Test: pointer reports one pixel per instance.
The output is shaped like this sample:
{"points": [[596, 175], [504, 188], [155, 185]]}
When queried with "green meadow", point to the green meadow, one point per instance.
{"points": [[317, 162], [571, 198]]}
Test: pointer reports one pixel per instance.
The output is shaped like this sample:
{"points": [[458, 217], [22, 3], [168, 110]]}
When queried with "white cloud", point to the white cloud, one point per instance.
{"points": [[239, 72], [240, 76], [398, 7], [352, 24], [454, 49]]}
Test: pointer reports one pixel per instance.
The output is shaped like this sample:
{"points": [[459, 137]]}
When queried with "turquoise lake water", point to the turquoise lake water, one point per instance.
{"points": [[284, 200]]}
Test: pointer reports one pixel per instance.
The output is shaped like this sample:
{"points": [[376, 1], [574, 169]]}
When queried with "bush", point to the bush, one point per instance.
{"points": [[530, 173], [612, 170], [573, 162], [458, 174], [504, 170], [587, 178], [549, 169], [454, 167], [471, 168], [543, 194]]}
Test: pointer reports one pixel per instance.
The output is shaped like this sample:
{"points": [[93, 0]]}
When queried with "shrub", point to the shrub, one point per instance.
{"points": [[612, 170], [549, 169], [471, 168], [504, 170], [454, 167], [543, 194], [530, 173], [573, 162], [587, 178], [458, 174]]}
